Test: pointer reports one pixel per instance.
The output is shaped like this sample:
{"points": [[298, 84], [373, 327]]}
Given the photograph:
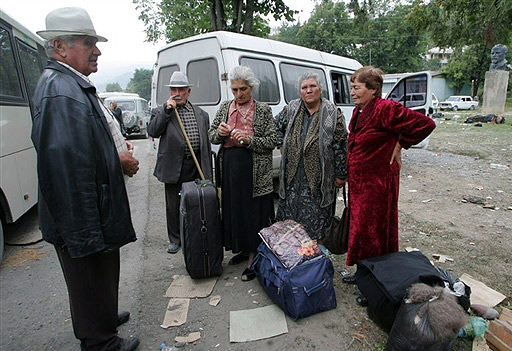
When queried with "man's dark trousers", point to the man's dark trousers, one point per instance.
{"points": [[93, 284]]}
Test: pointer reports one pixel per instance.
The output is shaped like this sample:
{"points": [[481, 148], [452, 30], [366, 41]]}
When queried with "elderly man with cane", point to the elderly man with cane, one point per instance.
{"points": [[175, 164]]}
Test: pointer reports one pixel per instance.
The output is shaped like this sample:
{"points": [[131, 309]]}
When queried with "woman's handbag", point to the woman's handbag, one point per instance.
{"points": [[336, 235]]}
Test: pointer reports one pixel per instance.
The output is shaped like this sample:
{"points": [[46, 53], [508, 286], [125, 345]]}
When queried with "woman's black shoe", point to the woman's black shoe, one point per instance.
{"points": [[362, 301], [349, 279]]}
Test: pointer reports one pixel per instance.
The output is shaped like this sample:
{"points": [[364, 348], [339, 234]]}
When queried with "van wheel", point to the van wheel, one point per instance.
{"points": [[455, 108], [472, 108]]}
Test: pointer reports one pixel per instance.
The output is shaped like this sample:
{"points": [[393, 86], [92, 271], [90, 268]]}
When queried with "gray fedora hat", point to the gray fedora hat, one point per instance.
{"points": [[178, 80], [69, 21]]}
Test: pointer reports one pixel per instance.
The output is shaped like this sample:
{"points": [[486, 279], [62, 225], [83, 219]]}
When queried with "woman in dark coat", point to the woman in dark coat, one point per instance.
{"points": [[378, 130], [245, 129]]}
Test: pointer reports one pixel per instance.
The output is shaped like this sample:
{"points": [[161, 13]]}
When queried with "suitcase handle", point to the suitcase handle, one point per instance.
{"points": [[316, 288]]}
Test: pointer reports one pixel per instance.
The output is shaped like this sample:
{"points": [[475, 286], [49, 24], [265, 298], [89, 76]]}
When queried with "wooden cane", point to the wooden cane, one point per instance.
{"points": [[189, 145]]}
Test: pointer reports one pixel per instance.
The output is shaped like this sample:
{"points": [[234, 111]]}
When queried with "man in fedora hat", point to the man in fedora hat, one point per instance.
{"points": [[174, 164], [81, 156]]}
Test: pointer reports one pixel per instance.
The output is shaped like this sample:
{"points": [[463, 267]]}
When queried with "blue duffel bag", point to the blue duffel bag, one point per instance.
{"points": [[304, 290]]}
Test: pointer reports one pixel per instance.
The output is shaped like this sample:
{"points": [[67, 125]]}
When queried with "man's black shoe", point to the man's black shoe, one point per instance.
{"points": [[122, 318], [173, 248], [128, 344], [349, 279]]}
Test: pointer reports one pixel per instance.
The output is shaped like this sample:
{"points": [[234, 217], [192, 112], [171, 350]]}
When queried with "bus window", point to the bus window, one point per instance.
{"points": [[10, 89], [204, 75], [340, 88], [290, 75], [265, 71], [31, 66], [164, 77]]}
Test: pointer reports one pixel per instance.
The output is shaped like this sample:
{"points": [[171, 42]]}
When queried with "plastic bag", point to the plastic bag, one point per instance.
{"points": [[429, 320]]}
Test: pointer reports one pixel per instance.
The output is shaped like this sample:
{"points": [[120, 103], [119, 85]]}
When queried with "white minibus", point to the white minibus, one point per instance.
{"points": [[208, 58], [22, 60]]}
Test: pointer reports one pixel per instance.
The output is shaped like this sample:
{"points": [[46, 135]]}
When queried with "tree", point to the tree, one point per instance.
{"points": [[141, 83], [111, 87], [470, 28], [287, 32], [177, 19], [329, 29], [376, 33]]}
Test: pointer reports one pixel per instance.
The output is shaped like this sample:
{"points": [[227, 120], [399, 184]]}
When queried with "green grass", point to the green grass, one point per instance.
{"points": [[489, 142]]}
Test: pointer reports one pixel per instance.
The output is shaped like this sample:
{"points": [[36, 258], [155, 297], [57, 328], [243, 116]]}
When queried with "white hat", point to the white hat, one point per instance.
{"points": [[69, 21], [178, 80]]}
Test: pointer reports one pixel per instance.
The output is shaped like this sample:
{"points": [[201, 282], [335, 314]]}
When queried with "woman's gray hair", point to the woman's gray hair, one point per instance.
{"points": [[309, 75], [48, 44], [246, 74]]}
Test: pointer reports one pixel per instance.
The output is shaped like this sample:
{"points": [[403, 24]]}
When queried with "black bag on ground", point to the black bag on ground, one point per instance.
{"points": [[336, 235], [200, 229], [384, 281], [428, 320]]}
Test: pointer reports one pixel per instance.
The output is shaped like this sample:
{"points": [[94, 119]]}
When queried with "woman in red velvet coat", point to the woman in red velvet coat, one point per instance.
{"points": [[378, 130]]}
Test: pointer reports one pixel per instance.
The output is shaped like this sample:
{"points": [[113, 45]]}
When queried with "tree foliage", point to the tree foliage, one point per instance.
{"points": [[373, 32], [113, 87], [471, 28], [141, 83], [176, 19]]}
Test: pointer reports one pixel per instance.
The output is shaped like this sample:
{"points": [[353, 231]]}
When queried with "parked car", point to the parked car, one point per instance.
{"points": [[458, 103], [135, 109]]}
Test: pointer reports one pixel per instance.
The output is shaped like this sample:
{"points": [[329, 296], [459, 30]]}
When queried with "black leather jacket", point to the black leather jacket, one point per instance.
{"points": [[83, 205]]}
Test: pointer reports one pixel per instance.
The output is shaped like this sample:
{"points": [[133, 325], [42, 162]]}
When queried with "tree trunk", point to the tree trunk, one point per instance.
{"points": [[218, 10], [213, 20], [237, 15], [249, 13]]}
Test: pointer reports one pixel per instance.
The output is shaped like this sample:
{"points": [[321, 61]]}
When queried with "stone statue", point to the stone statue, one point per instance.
{"points": [[498, 61]]}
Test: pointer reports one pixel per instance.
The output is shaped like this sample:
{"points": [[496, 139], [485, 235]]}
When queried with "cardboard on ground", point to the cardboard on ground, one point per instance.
{"points": [[183, 286], [256, 324], [480, 293], [176, 313]]}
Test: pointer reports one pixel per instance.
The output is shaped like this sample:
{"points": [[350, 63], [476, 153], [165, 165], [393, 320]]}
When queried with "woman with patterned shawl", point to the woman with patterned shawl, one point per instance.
{"points": [[312, 136], [245, 130]]}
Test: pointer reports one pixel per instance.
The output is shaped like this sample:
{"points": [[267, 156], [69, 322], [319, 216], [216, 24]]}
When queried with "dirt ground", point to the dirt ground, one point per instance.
{"points": [[461, 160]]}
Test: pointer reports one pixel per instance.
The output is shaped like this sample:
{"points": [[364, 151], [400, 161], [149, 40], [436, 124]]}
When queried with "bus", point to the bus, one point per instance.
{"points": [[22, 59]]}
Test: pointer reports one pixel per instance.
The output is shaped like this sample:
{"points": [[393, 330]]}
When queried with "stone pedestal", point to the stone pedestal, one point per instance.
{"points": [[495, 92]]}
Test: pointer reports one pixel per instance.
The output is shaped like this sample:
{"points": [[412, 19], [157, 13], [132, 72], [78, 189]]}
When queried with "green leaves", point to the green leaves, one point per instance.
{"points": [[141, 83], [176, 19]]}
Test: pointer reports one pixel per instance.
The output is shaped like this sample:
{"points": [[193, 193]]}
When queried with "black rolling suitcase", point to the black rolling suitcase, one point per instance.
{"points": [[200, 226], [200, 229]]}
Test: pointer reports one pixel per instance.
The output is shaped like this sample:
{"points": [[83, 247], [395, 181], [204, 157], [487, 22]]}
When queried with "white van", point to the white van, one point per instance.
{"points": [[136, 113], [207, 59]]}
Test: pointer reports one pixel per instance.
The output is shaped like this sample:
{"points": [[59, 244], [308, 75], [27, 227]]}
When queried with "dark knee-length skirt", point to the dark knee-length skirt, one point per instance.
{"points": [[242, 214]]}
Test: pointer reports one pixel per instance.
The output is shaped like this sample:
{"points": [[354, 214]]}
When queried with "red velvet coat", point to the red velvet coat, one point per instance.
{"points": [[372, 182]]}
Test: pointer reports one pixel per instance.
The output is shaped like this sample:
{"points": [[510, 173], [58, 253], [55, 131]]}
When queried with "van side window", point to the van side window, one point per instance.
{"points": [[340, 88], [265, 71], [164, 76], [204, 75], [290, 75], [10, 89], [31, 66]]}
